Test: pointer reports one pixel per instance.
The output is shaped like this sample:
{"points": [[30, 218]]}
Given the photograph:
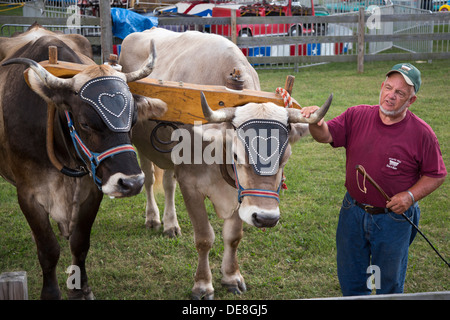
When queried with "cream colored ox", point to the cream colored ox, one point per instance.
{"points": [[208, 59]]}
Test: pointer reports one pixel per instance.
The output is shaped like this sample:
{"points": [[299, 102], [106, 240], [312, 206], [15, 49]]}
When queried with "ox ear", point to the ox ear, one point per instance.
{"points": [[298, 131], [149, 108]]}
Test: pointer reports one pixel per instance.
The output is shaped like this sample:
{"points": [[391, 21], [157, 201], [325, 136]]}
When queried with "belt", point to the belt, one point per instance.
{"points": [[371, 209]]}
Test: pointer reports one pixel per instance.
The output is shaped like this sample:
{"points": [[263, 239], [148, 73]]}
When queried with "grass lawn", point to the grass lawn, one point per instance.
{"points": [[295, 259]]}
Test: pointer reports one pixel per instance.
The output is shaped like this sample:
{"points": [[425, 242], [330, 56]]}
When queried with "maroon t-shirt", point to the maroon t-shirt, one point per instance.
{"points": [[395, 156]]}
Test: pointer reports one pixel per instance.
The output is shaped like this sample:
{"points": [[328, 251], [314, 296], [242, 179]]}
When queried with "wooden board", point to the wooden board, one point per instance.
{"points": [[182, 98]]}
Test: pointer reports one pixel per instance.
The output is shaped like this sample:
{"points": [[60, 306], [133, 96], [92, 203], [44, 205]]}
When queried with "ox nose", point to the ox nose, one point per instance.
{"points": [[263, 220], [130, 186]]}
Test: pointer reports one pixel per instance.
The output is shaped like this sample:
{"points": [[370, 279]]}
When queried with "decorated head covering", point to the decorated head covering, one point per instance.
{"points": [[112, 99], [265, 142]]}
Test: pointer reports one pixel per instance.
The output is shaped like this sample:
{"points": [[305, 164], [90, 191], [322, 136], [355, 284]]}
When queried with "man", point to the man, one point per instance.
{"points": [[401, 153]]}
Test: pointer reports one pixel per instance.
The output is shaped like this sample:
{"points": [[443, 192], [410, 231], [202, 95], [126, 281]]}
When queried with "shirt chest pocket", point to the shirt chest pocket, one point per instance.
{"points": [[399, 167]]}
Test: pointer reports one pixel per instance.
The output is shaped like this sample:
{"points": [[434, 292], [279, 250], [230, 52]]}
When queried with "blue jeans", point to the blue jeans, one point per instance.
{"points": [[380, 240]]}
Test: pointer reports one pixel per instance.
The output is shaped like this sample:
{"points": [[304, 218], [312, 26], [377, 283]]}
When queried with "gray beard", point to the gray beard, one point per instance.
{"points": [[393, 112]]}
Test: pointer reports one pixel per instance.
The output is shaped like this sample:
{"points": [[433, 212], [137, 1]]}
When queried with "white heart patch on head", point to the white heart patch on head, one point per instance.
{"points": [[265, 142], [256, 144], [105, 100], [111, 98]]}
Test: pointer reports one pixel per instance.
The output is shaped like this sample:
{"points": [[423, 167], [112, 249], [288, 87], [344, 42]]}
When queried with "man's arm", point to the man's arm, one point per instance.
{"points": [[318, 131], [402, 201]]}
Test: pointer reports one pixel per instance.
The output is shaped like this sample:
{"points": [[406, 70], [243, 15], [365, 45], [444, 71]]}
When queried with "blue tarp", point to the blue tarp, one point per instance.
{"points": [[126, 22]]}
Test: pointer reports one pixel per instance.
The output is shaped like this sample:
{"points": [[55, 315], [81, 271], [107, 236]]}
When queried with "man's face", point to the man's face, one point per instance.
{"points": [[396, 95]]}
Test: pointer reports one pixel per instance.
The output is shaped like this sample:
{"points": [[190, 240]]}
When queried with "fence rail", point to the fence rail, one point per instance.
{"points": [[292, 42], [343, 38]]}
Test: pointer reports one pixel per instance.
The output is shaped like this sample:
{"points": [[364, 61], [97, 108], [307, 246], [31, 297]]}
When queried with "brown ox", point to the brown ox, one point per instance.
{"points": [[42, 190], [208, 59]]}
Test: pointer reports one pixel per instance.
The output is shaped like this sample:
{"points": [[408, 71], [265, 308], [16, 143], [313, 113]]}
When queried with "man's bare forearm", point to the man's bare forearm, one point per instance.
{"points": [[320, 132]]}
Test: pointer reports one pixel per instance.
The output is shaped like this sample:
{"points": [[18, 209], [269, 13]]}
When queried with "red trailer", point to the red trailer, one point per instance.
{"points": [[292, 29], [265, 10]]}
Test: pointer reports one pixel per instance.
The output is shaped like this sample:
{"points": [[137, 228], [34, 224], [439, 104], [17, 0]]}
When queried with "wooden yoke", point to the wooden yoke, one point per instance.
{"points": [[183, 98]]}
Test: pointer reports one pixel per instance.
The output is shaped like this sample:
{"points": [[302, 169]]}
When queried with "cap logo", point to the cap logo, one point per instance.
{"points": [[406, 68]]}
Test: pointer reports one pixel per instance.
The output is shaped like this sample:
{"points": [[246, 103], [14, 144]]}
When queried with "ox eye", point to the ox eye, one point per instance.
{"points": [[85, 126]]}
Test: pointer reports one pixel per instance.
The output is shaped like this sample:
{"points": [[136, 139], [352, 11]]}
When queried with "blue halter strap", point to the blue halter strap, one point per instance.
{"points": [[264, 193], [94, 158]]}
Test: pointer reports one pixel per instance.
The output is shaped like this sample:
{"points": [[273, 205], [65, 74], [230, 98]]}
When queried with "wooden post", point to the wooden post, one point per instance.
{"points": [[13, 286], [361, 31], [106, 29], [233, 27], [289, 85], [52, 55]]}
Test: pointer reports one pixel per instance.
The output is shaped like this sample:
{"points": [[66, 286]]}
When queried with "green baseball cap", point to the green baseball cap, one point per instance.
{"points": [[410, 73]]}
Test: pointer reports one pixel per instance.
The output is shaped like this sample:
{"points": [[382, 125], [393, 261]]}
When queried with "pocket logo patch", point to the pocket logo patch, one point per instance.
{"points": [[393, 163]]}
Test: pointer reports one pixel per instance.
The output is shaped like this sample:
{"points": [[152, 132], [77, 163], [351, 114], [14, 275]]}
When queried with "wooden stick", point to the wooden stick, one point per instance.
{"points": [[363, 172], [52, 55], [289, 85]]}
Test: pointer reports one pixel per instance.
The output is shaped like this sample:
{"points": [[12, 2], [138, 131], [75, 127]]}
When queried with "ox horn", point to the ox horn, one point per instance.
{"points": [[49, 80], [146, 69], [221, 115], [295, 115]]}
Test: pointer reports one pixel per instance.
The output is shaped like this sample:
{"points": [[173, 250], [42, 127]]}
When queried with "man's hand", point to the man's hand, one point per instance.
{"points": [[319, 131], [307, 111], [400, 202]]}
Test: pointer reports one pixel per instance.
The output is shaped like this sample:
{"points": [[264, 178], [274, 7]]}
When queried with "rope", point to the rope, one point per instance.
{"points": [[286, 97], [283, 183], [364, 173]]}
